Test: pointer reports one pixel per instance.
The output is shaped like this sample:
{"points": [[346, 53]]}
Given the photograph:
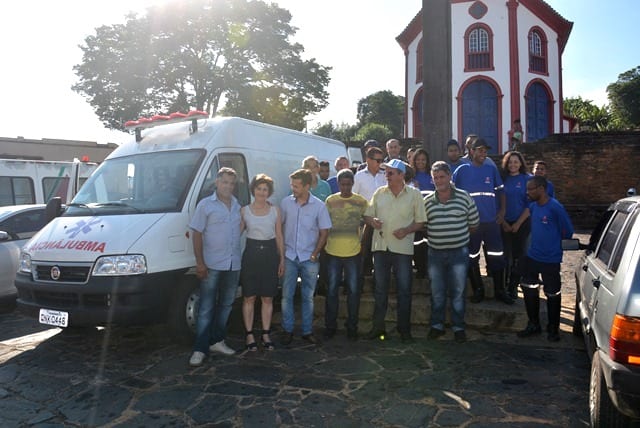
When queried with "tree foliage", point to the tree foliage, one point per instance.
{"points": [[382, 107], [194, 54], [375, 131], [342, 132], [624, 98], [590, 117]]}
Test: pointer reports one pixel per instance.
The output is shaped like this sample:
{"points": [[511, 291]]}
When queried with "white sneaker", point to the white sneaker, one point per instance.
{"points": [[196, 359], [221, 348]]}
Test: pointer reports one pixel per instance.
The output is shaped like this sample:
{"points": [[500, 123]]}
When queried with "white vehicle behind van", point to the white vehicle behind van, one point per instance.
{"points": [[122, 251], [37, 182]]}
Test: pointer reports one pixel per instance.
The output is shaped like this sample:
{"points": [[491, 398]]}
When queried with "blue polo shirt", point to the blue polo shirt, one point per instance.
{"points": [[220, 227], [301, 225], [515, 191], [550, 224]]}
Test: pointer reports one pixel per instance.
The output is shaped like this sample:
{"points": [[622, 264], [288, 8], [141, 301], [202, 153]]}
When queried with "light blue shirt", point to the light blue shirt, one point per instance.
{"points": [[220, 228], [301, 225]]}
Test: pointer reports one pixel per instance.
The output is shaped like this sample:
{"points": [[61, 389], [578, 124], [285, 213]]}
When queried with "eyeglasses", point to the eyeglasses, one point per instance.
{"points": [[377, 160]]}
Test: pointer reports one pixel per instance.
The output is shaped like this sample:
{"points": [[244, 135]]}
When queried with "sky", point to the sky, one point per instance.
{"points": [[40, 40]]}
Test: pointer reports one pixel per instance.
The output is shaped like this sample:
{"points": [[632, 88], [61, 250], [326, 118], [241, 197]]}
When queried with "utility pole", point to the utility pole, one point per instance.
{"points": [[436, 77]]}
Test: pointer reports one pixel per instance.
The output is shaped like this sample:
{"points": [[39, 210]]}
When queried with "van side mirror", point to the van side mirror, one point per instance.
{"points": [[571, 244], [53, 209], [4, 236]]}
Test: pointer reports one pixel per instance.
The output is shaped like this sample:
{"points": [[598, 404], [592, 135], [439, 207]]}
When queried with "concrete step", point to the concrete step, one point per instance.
{"points": [[490, 314]]}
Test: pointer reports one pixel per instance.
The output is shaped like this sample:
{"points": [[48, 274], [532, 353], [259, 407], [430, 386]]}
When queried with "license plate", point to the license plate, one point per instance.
{"points": [[57, 318]]}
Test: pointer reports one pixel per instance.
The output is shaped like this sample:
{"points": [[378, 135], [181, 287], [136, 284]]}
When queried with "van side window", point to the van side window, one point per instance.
{"points": [[622, 242], [610, 237], [16, 191], [55, 186], [230, 160]]}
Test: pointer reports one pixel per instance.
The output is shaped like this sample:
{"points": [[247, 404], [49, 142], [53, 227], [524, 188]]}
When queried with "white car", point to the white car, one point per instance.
{"points": [[18, 223]]}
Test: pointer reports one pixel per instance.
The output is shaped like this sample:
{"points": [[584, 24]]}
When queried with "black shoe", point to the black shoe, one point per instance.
{"points": [[435, 333], [553, 335], [252, 346], [352, 335], [375, 334], [310, 338], [329, 333], [406, 337], [460, 336], [530, 330], [286, 338], [478, 295], [267, 344], [505, 298]]}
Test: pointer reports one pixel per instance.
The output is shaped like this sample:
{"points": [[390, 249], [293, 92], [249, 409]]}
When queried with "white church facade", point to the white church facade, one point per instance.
{"points": [[506, 65]]}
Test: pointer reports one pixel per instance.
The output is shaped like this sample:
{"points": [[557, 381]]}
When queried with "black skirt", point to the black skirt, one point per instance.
{"points": [[259, 274]]}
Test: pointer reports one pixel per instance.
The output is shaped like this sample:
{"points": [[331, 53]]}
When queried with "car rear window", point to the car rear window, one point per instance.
{"points": [[622, 242], [610, 237]]}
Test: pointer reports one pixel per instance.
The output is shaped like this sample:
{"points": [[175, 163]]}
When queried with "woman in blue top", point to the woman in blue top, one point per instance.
{"points": [[422, 167], [515, 230]]}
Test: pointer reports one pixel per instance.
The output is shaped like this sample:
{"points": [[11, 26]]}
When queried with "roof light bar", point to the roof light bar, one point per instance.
{"points": [[146, 122]]}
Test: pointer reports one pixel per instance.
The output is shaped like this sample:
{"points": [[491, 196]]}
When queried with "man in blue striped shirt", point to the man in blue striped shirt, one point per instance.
{"points": [[451, 216]]}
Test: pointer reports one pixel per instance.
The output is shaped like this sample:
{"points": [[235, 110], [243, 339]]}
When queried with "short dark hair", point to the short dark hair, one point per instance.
{"points": [[303, 175], [323, 163], [539, 180], [372, 152], [345, 173], [441, 166], [261, 179]]}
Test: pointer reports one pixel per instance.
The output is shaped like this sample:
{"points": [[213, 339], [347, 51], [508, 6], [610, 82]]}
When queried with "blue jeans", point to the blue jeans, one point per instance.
{"points": [[335, 267], [308, 272], [448, 274], [217, 293], [383, 261]]}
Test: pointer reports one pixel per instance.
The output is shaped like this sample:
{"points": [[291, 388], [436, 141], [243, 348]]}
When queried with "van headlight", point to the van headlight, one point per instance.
{"points": [[25, 263], [133, 264]]}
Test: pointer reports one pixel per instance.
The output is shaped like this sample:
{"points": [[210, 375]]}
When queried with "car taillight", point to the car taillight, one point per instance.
{"points": [[624, 340]]}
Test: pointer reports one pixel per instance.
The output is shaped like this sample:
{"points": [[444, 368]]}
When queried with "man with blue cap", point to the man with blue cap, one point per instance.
{"points": [[396, 212]]}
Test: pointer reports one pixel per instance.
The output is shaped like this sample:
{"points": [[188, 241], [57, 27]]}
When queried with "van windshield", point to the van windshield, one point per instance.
{"points": [[142, 183]]}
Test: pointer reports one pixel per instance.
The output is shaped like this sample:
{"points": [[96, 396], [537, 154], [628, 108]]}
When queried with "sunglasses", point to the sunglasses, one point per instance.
{"points": [[377, 160]]}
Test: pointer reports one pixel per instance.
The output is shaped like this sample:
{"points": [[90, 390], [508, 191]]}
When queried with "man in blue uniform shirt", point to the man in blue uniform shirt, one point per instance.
{"points": [[483, 182], [550, 224]]}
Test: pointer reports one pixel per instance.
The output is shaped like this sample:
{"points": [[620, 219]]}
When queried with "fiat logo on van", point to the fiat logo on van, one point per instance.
{"points": [[55, 273]]}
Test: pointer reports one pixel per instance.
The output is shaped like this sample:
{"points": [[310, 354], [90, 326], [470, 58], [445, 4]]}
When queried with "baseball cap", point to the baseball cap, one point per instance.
{"points": [[480, 142], [453, 143], [397, 164]]}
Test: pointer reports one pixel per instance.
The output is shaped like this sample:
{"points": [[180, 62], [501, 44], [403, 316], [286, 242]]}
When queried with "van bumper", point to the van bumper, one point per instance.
{"points": [[125, 300], [623, 383]]}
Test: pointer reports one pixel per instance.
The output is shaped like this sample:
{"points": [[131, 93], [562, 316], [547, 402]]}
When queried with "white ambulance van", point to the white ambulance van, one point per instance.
{"points": [[122, 252], [37, 182]]}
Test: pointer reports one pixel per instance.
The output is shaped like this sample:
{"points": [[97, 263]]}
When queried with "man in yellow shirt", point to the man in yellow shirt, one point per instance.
{"points": [[343, 254], [396, 212]]}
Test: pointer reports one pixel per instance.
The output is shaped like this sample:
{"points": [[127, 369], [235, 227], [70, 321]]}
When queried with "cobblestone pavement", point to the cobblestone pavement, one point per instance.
{"points": [[140, 377]]}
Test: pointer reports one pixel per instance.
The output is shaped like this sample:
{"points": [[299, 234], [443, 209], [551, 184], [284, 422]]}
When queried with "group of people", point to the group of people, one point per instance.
{"points": [[364, 221]]}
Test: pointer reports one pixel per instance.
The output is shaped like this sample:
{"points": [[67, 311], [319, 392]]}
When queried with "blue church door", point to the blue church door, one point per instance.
{"points": [[538, 113], [480, 112]]}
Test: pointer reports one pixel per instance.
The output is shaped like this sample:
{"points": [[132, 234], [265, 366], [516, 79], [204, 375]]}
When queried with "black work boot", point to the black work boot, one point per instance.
{"points": [[513, 279], [476, 283], [498, 286], [532, 305], [553, 313]]}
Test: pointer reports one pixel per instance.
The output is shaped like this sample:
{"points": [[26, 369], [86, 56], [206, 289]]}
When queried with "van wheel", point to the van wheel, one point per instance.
{"points": [[601, 409], [183, 312], [577, 322]]}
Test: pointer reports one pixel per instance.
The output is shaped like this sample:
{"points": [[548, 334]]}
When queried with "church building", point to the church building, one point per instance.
{"points": [[506, 66]]}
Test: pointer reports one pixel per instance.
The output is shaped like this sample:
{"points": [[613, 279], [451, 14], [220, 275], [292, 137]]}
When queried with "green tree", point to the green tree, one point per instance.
{"points": [[195, 53], [624, 98], [384, 108], [343, 132], [375, 131], [590, 117]]}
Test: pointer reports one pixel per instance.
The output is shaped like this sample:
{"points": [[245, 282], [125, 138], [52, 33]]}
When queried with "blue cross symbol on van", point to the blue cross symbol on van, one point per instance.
{"points": [[82, 226]]}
